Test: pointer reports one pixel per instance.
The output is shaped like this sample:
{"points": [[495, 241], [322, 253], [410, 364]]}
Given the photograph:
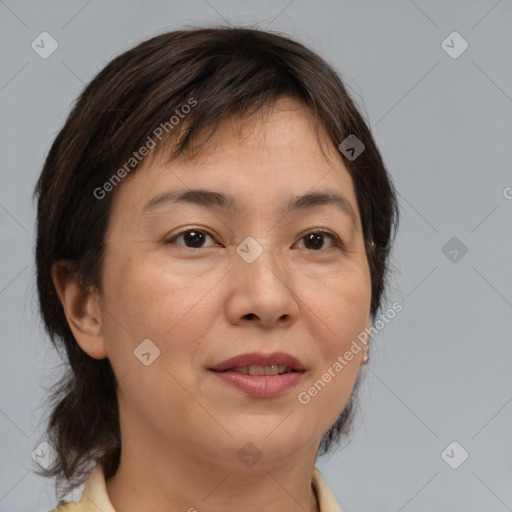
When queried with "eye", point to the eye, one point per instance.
{"points": [[192, 238], [315, 239], [195, 238]]}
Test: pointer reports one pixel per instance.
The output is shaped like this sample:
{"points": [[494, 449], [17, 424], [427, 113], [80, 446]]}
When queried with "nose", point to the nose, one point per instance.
{"points": [[262, 291]]}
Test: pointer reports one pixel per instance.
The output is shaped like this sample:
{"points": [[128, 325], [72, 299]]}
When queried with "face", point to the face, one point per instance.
{"points": [[202, 283]]}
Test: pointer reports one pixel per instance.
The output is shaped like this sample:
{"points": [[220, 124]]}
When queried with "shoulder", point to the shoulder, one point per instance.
{"points": [[70, 506], [94, 497], [65, 506], [83, 503], [326, 500]]}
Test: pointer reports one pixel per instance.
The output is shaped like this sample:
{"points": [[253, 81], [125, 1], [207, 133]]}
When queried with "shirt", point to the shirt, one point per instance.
{"points": [[95, 497]]}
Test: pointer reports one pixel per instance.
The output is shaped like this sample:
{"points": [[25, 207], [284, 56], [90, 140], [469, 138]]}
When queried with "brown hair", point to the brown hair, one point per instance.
{"points": [[227, 71]]}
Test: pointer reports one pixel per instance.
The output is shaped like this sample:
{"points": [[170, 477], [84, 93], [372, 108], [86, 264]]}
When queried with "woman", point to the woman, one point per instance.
{"points": [[214, 226]]}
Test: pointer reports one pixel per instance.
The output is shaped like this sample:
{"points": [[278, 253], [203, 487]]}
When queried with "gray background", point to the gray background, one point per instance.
{"points": [[441, 370]]}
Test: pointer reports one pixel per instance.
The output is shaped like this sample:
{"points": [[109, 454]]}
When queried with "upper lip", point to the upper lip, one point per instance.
{"points": [[260, 359]]}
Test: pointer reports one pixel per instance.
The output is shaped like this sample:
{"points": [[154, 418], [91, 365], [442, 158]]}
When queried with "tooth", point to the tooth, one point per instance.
{"points": [[242, 369], [256, 370], [271, 370]]}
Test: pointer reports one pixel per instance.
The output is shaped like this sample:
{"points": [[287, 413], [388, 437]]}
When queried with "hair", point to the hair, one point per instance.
{"points": [[227, 71]]}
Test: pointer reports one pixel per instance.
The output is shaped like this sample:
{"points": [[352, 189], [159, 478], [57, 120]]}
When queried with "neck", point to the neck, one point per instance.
{"points": [[151, 477]]}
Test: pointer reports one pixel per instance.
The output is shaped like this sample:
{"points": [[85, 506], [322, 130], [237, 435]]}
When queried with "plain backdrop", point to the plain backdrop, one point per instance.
{"points": [[439, 384]]}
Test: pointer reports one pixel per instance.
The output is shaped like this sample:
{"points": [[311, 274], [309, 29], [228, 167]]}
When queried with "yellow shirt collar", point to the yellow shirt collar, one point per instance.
{"points": [[95, 497]]}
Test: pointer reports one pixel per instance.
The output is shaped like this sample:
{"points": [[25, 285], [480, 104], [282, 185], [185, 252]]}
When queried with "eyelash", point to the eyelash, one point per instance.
{"points": [[335, 239]]}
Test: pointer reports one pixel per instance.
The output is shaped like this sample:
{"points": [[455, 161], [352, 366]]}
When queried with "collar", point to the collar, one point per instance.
{"points": [[95, 495]]}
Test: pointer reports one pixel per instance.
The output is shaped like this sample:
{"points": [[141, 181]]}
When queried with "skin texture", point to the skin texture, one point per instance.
{"points": [[181, 425]]}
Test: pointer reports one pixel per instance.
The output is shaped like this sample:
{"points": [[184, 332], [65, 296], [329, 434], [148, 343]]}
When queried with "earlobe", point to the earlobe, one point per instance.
{"points": [[82, 310]]}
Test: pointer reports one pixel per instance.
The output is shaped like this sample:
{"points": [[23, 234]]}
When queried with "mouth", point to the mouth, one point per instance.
{"points": [[261, 375], [254, 370], [257, 363]]}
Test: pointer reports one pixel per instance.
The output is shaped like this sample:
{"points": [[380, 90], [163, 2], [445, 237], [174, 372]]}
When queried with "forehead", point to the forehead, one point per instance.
{"points": [[283, 126], [267, 158]]}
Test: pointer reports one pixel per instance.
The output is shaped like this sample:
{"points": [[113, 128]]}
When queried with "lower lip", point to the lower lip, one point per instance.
{"points": [[263, 386]]}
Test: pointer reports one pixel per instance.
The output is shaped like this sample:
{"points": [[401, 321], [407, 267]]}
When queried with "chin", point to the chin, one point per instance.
{"points": [[274, 446]]}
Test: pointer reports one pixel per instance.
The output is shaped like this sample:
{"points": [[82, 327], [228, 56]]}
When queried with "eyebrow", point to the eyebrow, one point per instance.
{"points": [[213, 199]]}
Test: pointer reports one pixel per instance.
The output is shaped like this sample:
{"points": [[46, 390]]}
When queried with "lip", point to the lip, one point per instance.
{"points": [[260, 359], [262, 386]]}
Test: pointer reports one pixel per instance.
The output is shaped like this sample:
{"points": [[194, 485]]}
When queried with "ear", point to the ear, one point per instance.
{"points": [[82, 310]]}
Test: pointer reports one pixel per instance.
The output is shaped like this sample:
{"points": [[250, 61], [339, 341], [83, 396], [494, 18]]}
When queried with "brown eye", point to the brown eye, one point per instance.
{"points": [[316, 240], [192, 238]]}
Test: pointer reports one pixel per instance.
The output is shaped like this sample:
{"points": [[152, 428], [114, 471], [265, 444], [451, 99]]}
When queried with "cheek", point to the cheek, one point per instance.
{"points": [[340, 306], [169, 305], [342, 312]]}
